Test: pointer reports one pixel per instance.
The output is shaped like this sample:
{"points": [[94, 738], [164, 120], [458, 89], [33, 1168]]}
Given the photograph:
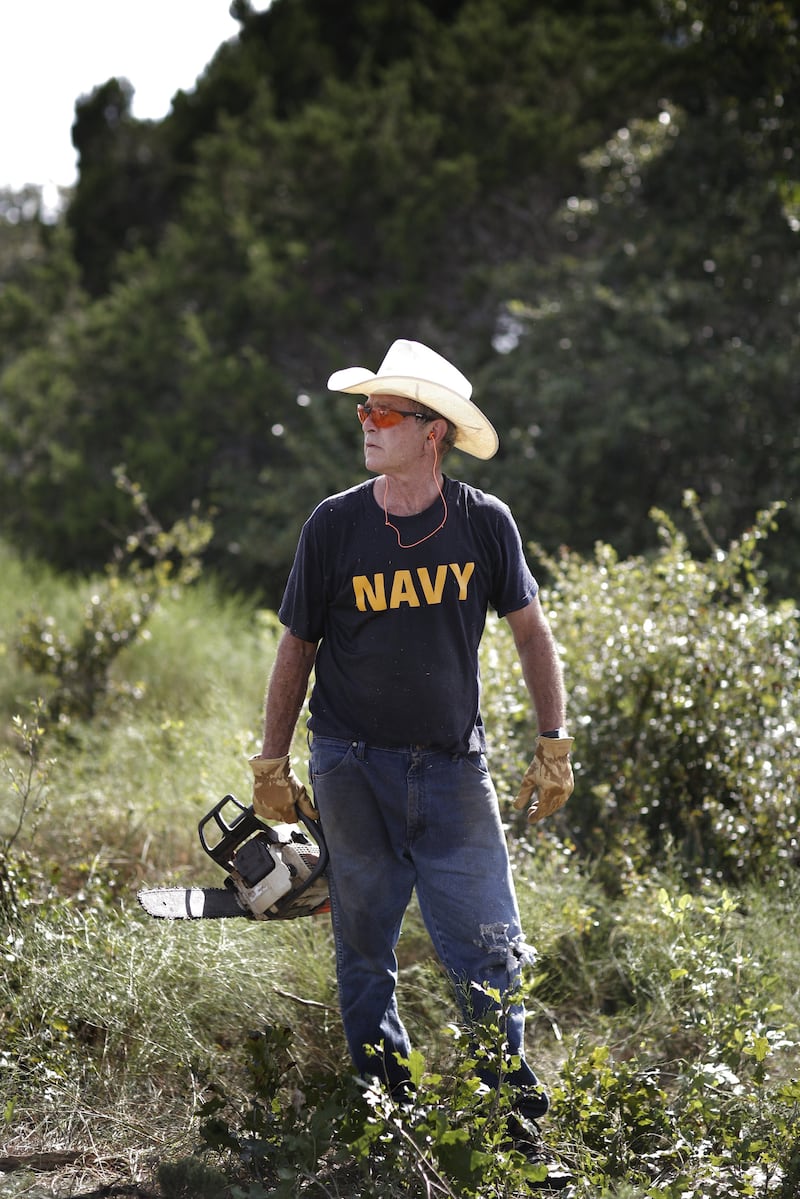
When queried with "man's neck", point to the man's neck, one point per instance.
{"points": [[405, 496]]}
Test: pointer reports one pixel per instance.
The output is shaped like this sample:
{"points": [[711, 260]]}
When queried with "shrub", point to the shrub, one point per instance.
{"points": [[76, 666], [341, 1136], [704, 1112], [684, 700]]}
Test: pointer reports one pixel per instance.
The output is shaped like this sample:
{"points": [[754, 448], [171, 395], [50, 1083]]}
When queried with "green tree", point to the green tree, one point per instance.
{"points": [[38, 276], [589, 209], [126, 190], [655, 350]]}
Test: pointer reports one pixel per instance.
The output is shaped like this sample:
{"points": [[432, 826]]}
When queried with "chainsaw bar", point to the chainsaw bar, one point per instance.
{"points": [[218, 903], [192, 903]]}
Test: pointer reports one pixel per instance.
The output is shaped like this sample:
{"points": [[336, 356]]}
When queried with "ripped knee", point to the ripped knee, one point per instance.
{"points": [[513, 951]]}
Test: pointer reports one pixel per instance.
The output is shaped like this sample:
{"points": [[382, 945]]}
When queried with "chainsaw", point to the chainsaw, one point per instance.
{"points": [[275, 871]]}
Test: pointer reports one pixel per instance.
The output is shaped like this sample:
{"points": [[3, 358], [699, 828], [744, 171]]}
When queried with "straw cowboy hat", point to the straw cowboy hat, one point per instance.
{"points": [[410, 369]]}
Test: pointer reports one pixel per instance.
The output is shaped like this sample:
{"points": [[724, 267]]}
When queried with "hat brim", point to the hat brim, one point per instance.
{"points": [[474, 433]]}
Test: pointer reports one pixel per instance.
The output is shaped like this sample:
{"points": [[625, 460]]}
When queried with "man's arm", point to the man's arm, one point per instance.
{"points": [[541, 668], [549, 776], [286, 693], [278, 793]]}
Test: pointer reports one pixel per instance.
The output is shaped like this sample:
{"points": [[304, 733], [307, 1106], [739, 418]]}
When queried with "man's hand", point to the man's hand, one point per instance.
{"points": [[278, 792], [550, 775]]}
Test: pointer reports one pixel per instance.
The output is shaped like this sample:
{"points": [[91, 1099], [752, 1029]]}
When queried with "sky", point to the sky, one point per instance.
{"points": [[54, 51]]}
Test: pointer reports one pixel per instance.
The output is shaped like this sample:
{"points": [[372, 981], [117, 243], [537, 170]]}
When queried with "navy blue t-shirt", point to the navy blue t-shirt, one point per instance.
{"points": [[399, 628]]}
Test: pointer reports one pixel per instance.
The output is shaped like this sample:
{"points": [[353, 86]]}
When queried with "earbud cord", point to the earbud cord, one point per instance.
{"points": [[389, 524]]}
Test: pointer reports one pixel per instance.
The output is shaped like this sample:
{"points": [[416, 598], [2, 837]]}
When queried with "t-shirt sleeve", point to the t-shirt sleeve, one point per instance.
{"points": [[515, 587], [302, 606]]}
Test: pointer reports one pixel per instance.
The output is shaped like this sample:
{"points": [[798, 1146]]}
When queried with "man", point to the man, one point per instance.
{"points": [[387, 600]]}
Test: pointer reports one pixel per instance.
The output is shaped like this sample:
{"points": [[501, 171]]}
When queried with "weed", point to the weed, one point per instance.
{"points": [[152, 561], [447, 1136]]}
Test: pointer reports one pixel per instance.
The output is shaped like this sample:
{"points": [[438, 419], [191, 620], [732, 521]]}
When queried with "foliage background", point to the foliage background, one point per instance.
{"points": [[592, 208]]}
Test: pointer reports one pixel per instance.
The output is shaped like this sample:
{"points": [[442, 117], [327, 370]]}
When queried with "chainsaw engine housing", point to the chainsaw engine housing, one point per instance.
{"points": [[276, 870]]}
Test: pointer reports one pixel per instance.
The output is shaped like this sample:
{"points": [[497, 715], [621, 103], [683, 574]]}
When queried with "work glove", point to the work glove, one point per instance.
{"points": [[550, 775], [278, 792]]}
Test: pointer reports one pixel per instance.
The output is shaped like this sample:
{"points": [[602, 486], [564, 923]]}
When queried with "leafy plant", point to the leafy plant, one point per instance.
{"points": [[684, 699], [448, 1135], [717, 1120], [152, 562]]}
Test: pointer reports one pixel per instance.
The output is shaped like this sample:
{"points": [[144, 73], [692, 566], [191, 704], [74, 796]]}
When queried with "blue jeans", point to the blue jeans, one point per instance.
{"points": [[396, 819]]}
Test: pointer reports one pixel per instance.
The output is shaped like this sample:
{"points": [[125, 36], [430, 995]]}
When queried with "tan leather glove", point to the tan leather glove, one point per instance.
{"points": [[550, 775], [278, 792]]}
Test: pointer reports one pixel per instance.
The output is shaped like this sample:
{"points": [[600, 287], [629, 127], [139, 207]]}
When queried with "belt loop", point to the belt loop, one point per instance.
{"points": [[360, 748]]}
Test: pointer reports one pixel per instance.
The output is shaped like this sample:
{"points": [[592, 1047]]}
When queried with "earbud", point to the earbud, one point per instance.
{"points": [[430, 437]]}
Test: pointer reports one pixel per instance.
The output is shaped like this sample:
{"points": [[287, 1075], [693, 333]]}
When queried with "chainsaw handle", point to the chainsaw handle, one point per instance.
{"points": [[231, 834], [315, 828]]}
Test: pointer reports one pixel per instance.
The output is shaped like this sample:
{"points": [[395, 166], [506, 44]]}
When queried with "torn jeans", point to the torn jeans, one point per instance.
{"points": [[400, 819]]}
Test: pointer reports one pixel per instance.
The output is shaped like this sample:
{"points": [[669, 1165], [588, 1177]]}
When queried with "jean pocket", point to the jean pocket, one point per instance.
{"points": [[476, 762], [327, 755]]}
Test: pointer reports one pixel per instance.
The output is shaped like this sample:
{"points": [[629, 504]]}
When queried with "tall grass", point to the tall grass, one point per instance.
{"points": [[645, 1003]]}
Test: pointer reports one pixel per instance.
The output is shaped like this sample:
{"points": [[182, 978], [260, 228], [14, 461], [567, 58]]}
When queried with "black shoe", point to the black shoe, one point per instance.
{"points": [[527, 1140], [530, 1103]]}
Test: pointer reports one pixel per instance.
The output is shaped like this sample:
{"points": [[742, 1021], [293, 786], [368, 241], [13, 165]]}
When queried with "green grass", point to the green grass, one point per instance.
{"points": [[663, 1017]]}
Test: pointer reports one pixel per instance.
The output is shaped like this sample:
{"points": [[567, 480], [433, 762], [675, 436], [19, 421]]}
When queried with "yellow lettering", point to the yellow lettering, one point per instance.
{"points": [[432, 591], [365, 593], [463, 575], [371, 592], [403, 590]]}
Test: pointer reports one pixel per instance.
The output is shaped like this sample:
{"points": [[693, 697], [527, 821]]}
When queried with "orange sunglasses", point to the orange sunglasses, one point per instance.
{"points": [[386, 418]]}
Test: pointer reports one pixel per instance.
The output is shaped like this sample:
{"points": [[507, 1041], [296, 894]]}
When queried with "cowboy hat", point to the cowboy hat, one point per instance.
{"points": [[410, 369]]}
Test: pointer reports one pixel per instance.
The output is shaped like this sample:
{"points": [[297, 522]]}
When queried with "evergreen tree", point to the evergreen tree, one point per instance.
{"points": [[590, 210]]}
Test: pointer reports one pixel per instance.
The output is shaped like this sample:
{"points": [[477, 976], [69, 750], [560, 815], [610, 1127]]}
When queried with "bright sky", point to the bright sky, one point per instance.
{"points": [[53, 51]]}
